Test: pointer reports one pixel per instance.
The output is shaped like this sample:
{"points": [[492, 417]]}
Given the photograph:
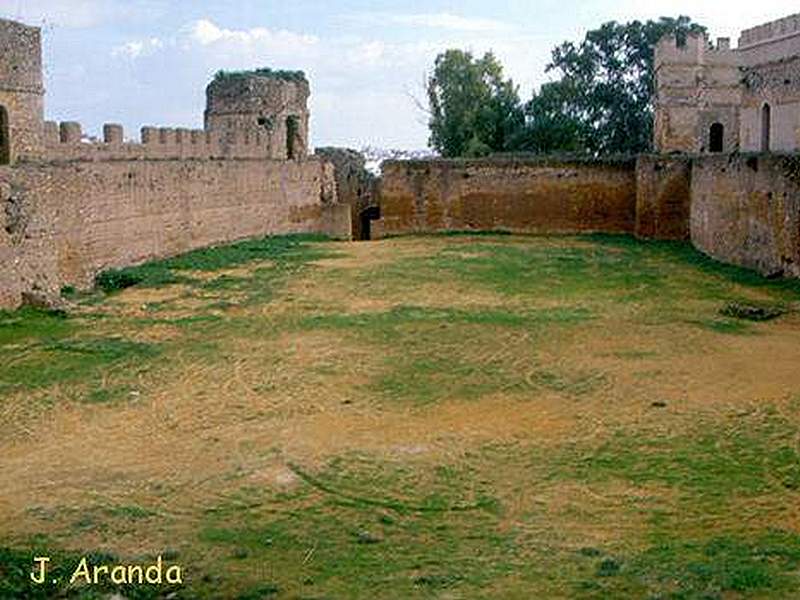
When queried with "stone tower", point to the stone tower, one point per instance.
{"points": [[698, 95], [271, 103], [21, 92]]}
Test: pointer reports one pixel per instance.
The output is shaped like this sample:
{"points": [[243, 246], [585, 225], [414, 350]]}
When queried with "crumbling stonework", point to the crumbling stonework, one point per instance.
{"points": [[355, 187], [272, 106], [712, 98], [69, 208]]}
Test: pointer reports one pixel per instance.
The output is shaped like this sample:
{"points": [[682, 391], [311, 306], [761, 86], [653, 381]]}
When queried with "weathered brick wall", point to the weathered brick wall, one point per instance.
{"points": [[746, 211], [663, 197], [518, 195], [62, 222]]}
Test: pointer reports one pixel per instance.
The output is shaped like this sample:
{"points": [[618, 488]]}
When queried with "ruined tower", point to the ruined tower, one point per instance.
{"points": [[698, 95], [270, 103], [21, 92]]}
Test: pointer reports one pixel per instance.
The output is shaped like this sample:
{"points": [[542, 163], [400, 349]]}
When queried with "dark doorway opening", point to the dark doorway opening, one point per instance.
{"points": [[716, 138], [766, 128], [369, 214], [5, 141], [292, 127]]}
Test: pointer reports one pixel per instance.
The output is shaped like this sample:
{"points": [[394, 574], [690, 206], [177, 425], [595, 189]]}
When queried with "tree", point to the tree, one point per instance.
{"points": [[603, 101], [474, 111], [551, 124]]}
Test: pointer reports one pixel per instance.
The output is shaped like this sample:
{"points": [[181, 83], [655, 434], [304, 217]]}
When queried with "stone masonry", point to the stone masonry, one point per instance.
{"points": [[714, 98], [70, 208]]}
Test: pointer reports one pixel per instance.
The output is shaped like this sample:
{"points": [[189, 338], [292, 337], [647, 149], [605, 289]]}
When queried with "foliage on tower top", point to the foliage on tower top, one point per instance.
{"points": [[282, 75]]}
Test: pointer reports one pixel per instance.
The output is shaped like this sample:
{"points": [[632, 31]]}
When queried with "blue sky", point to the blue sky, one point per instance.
{"points": [[146, 62]]}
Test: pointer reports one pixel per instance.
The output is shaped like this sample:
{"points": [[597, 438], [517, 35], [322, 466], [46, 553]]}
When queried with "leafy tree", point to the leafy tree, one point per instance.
{"points": [[474, 111], [603, 101], [552, 124]]}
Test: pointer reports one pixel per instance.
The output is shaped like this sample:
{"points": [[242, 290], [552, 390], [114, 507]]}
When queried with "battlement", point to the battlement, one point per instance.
{"points": [[695, 50], [788, 26], [65, 141]]}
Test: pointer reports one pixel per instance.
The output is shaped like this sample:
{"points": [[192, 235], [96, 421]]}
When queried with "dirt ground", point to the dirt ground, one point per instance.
{"points": [[420, 354]]}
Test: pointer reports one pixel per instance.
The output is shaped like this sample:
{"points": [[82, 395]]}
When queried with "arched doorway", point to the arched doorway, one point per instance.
{"points": [[5, 141], [716, 138], [766, 127]]}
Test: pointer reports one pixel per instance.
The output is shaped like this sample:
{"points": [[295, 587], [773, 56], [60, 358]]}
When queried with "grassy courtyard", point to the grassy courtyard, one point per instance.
{"points": [[462, 416]]}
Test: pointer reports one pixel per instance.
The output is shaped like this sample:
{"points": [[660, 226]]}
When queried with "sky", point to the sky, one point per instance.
{"points": [[147, 62]]}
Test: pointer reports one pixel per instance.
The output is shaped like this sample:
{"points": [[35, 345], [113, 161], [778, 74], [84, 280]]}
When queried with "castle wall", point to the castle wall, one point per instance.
{"points": [[62, 222], [524, 196], [778, 84], [663, 197], [355, 186], [745, 211], [696, 86], [64, 141], [770, 42], [21, 91]]}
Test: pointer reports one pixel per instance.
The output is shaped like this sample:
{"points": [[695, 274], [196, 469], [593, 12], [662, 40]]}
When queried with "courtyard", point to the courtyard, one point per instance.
{"points": [[447, 416]]}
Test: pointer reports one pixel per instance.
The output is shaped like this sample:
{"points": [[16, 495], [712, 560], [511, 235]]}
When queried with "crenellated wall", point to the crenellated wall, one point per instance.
{"points": [[714, 98], [65, 141]]}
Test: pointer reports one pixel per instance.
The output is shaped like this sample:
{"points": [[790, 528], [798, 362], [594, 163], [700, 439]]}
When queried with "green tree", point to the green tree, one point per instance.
{"points": [[603, 100], [552, 124], [474, 110]]}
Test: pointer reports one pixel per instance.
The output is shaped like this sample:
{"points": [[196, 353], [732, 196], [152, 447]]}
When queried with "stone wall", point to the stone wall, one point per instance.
{"points": [[518, 195], [663, 197], [62, 222], [746, 211], [355, 185], [21, 92]]}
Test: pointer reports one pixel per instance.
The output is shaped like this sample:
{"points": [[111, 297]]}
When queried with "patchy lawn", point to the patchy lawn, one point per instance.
{"points": [[462, 416]]}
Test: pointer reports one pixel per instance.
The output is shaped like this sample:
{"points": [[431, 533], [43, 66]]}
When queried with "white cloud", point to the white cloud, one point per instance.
{"points": [[362, 87], [138, 48], [451, 22], [206, 32]]}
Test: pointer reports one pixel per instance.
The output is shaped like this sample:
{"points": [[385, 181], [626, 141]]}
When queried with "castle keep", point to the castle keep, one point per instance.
{"points": [[714, 98], [70, 208]]}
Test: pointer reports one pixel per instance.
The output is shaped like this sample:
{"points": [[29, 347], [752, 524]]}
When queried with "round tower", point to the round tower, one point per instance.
{"points": [[274, 103], [21, 92]]}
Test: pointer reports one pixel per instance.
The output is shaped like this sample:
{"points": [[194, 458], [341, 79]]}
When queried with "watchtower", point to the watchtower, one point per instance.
{"points": [[698, 95], [272, 103], [21, 92]]}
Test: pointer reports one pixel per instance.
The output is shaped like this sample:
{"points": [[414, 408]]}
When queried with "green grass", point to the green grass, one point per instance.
{"points": [[427, 362], [516, 518], [746, 457], [17, 327], [40, 349], [288, 251], [76, 360], [362, 524]]}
